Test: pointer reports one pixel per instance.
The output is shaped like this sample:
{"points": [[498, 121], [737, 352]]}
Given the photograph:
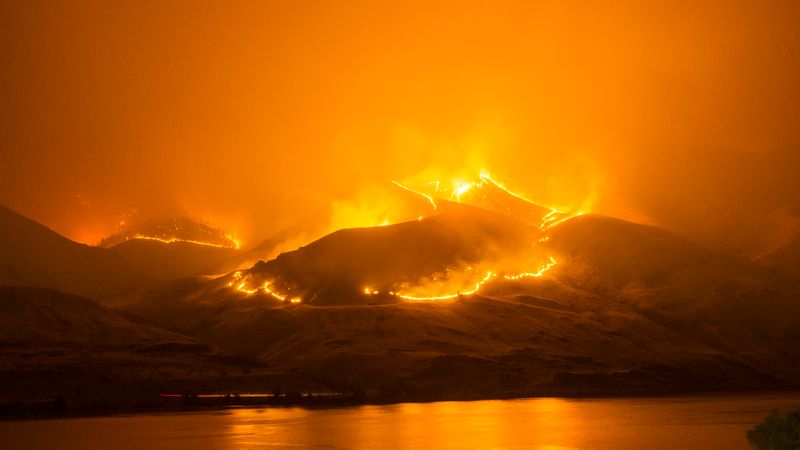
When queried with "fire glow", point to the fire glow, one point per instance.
{"points": [[490, 275], [181, 228], [234, 243], [460, 191], [427, 197], [240, 285], [462, 282]]}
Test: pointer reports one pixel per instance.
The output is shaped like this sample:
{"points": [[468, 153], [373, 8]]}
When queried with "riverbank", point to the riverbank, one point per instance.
{"points": [[716, 421], [189, 402]]}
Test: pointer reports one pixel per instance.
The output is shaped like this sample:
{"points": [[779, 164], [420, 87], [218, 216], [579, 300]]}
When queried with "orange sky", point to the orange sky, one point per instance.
{"points": [[252, 114]]}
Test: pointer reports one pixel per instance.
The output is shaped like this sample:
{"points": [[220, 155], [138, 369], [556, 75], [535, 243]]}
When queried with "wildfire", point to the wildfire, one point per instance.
{"points": [[460, 283], [490, 275], [169, 230], [485, 177], [546, 225], [428, 197], [460, 188], [476, 288], [549, 265], [550, 219], [233, 242], [241, 286], [461, 191]]}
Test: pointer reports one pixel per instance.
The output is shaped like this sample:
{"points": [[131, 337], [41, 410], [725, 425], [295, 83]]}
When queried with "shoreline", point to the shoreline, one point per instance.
{"points": [[201, 404]]}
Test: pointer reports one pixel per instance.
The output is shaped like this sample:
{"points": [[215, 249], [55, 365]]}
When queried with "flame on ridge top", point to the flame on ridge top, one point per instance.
{"points": [[234, 243], [471, 282], [489, 276], [170, 230], [457, 189]]}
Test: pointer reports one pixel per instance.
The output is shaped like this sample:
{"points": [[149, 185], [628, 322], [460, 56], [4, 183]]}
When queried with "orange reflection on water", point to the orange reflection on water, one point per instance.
{"points": [[708, 422], [711, 422], [496, 424]]}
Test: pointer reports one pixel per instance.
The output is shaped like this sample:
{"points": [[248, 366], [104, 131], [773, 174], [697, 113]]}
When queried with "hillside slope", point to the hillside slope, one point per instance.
{"points": [[54, 344], [628, 308], [34, 255], [336, 268], [166, 260]]}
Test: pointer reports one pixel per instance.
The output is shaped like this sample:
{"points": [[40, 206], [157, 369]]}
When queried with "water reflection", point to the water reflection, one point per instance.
{"points": [[709, 422]]}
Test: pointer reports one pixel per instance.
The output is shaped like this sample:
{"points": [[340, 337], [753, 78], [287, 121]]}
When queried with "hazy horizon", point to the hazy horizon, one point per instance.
{"points": [[682, 116]]}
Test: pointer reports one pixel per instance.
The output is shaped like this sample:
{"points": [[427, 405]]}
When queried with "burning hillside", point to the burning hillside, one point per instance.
{"points": [[474, 233], [519, 299], [169, 230], [487, 193], [399, 200], [471, 301]]}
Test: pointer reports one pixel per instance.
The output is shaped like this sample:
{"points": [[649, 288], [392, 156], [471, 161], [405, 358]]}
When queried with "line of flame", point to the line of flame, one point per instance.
{"points": [[548, 221], [275, 294], [188, 241], [489, 276], [478, 285], [428, 197], [242, 287], [546, 225], [265, 288], [537, 274], [484, 175], [460, 189]]}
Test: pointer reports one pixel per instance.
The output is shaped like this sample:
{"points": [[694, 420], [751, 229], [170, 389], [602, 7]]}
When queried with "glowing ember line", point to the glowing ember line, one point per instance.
{"points": [[488, 178], [460, 189], [430, 199], [435, 183], [241, 286], [489, 276], [278, 296], [537, 274], [550, 219], [236, 243], [553, 223], [188, 241]]}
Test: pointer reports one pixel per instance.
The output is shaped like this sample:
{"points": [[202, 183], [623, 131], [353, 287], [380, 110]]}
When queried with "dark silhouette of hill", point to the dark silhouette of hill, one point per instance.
{"points": [[727, 302], [787, 258], [57, 345], [611, 253], [780, 246], [166, 260], [34, 255], [44, 315]]}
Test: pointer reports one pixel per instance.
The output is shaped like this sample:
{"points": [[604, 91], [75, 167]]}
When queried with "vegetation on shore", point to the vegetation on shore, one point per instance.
{"points": [[778, 431]]}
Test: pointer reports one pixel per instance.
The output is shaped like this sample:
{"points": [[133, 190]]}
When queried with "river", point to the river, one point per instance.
{"points": [[699, 421]]}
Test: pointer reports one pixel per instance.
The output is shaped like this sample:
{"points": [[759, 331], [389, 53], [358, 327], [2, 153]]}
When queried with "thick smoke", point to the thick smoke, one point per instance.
{"points": [[259, 116]]}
